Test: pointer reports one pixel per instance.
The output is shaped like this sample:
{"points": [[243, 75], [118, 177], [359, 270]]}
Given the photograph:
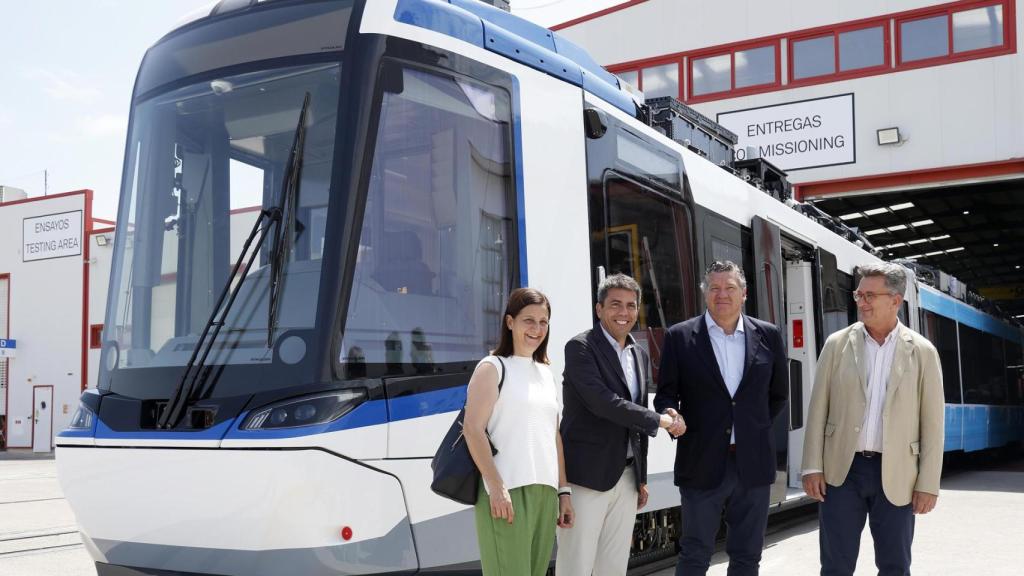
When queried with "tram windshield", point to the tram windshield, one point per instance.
{"points": [[203, 161]]}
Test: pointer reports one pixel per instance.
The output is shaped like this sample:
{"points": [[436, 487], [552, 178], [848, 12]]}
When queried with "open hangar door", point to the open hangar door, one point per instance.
{"points": [[972, 232]]}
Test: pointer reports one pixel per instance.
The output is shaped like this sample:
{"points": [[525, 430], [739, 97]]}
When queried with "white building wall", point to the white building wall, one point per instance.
{"points": [[46, 299], [954, 114]]}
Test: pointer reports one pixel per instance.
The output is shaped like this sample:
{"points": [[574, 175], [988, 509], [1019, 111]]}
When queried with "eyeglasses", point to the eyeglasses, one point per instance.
{"points": [[869, 297]]}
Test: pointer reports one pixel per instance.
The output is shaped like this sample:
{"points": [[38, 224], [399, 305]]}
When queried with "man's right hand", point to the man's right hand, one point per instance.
{"points": [[673, 422], [814, 485]]}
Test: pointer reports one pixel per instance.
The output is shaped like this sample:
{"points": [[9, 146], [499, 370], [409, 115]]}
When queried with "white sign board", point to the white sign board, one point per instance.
{"points": [[8, 348], [796, 135], [52, 236]]}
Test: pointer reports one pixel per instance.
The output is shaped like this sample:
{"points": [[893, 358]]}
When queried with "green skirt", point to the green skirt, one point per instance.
{"points": [[525, 546]]}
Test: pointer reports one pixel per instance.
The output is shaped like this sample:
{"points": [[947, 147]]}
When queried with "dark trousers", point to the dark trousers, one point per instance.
{"points": [[746, 517], [842, 516]]}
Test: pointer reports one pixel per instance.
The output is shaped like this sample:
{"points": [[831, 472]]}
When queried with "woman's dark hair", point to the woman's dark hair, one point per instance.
{"points": [[521, 298]]}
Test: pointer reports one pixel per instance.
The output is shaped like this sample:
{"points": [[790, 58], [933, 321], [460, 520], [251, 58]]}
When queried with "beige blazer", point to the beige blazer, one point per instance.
{"points": [[913, 415]]}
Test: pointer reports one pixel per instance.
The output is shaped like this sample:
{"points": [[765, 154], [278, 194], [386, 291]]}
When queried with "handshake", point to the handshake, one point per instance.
{"points": [[673, 422]]}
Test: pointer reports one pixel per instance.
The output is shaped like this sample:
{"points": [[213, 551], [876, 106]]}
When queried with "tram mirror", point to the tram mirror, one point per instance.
{"points": [[595, 123], [392, 77]]}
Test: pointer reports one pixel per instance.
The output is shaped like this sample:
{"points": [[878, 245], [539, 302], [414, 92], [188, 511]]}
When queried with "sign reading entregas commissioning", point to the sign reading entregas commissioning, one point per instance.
{"points": [[797, 135], [52, 236]]}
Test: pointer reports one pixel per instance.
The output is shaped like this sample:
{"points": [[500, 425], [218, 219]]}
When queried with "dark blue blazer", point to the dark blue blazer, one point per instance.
{"points": [[598, 415], [690, 381]]}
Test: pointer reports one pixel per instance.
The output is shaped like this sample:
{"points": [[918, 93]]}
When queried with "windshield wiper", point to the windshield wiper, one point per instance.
{"points": [[286, 228], [194, 375]]}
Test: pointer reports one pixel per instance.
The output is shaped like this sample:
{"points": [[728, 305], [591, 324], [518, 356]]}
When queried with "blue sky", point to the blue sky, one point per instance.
{"points": [[66, 75]]}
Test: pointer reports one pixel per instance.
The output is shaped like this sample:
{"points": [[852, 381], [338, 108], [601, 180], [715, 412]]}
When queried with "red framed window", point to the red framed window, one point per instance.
{"points": [[955, 32], [840, 52], [654, 79], [95, 336], [739, 70]]}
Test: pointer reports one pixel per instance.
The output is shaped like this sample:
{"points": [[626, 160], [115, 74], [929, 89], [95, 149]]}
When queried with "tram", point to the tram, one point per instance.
{"points": [[324, 205]]}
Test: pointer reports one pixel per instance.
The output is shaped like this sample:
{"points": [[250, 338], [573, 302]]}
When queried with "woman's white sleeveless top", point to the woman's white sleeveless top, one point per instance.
{"points": [[524, 422]]}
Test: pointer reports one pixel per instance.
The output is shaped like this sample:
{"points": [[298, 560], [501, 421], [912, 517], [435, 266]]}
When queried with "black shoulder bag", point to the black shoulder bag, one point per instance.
{"points": [[456, 476]]}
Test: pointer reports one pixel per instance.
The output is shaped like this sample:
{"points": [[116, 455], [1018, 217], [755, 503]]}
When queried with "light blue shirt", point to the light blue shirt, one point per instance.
{"points": [[730, 352]]}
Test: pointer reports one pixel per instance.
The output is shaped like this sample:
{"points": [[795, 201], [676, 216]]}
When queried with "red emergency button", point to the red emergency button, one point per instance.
{"points": [[346, 533], [798, 333]]}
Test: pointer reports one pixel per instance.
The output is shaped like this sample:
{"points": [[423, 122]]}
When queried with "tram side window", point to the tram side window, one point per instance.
{"points": [[1014, 373], [433, 268], [648, 239], [984, 373], [941, 332]]}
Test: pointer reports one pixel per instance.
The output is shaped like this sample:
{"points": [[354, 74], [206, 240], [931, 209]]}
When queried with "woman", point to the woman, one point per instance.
{"points": [[521, 499]]}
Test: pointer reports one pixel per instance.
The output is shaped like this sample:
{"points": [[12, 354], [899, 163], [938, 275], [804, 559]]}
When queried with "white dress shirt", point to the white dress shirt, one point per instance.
{"points": [[730, 352], [629, 367], [878, 367]]}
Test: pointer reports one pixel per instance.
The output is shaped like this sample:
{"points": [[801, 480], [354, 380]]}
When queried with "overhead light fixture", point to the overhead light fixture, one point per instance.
{"points": [[875, 231], [896, 245], [957, 249], [1019, 316], [851, 216], [1017, 266], [943, 237], [966, 212], [936, 253], [903, 206], [920, 223], [876, 211], [918, 241], [888, 136], [897, 227], [913, 256], [996, 245]]}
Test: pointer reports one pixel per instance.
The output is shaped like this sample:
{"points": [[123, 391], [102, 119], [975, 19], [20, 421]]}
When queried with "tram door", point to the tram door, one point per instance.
{"points": [[646, 235], [803, 350], [767, 283]]}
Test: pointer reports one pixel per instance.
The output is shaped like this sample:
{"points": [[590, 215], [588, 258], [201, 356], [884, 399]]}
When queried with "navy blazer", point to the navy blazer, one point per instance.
{"points": [[599, 416], [691, 382]]}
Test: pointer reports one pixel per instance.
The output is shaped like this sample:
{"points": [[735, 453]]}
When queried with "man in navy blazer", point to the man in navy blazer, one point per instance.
{"points": [[726, 374], [605, 425]]}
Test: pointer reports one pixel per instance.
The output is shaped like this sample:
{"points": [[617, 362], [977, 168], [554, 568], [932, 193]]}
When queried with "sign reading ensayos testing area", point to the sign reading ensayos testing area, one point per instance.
{"points": [[796, 135], [52, 236]]}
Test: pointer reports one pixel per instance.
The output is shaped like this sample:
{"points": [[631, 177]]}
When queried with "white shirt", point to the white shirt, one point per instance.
{"points": [[626, 360], [524, 422], [626, 356], [878, 367], [730, 352]]}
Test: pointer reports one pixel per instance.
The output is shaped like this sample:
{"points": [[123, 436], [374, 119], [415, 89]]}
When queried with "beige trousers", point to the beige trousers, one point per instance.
{"points": [[598, 543]]}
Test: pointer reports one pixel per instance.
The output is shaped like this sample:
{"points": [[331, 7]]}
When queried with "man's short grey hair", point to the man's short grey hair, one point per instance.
{"points": [[723, 266], [894, 274], [619, 280]]}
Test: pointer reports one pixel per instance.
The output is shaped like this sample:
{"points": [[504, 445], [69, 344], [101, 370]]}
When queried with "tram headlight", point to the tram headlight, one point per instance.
{"points": [[305, 411], [83, 418]]}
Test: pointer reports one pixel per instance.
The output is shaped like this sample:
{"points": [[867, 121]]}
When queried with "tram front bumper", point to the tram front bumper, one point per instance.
{"points": [[253, 512]]}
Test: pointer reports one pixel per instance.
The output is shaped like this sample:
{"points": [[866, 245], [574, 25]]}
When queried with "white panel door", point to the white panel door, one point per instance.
{"points": [[42, 418]]}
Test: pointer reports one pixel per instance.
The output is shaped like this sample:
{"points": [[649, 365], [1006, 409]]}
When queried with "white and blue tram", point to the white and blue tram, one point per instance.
{"points": [[324, 205]]}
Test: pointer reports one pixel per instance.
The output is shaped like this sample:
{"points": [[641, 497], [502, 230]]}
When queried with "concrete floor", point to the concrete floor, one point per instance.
{"points": [[975, 530]]}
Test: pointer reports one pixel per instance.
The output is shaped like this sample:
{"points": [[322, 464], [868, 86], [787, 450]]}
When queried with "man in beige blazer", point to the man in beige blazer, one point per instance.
{"points": [[874, 438]]}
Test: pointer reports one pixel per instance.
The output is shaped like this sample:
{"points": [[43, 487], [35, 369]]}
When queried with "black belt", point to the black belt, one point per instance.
{"points": [[869, 454], [629, 461]]}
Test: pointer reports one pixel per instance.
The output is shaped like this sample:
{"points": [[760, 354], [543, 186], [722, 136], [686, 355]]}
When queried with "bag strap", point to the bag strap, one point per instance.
{"points": [[501, 381]]}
